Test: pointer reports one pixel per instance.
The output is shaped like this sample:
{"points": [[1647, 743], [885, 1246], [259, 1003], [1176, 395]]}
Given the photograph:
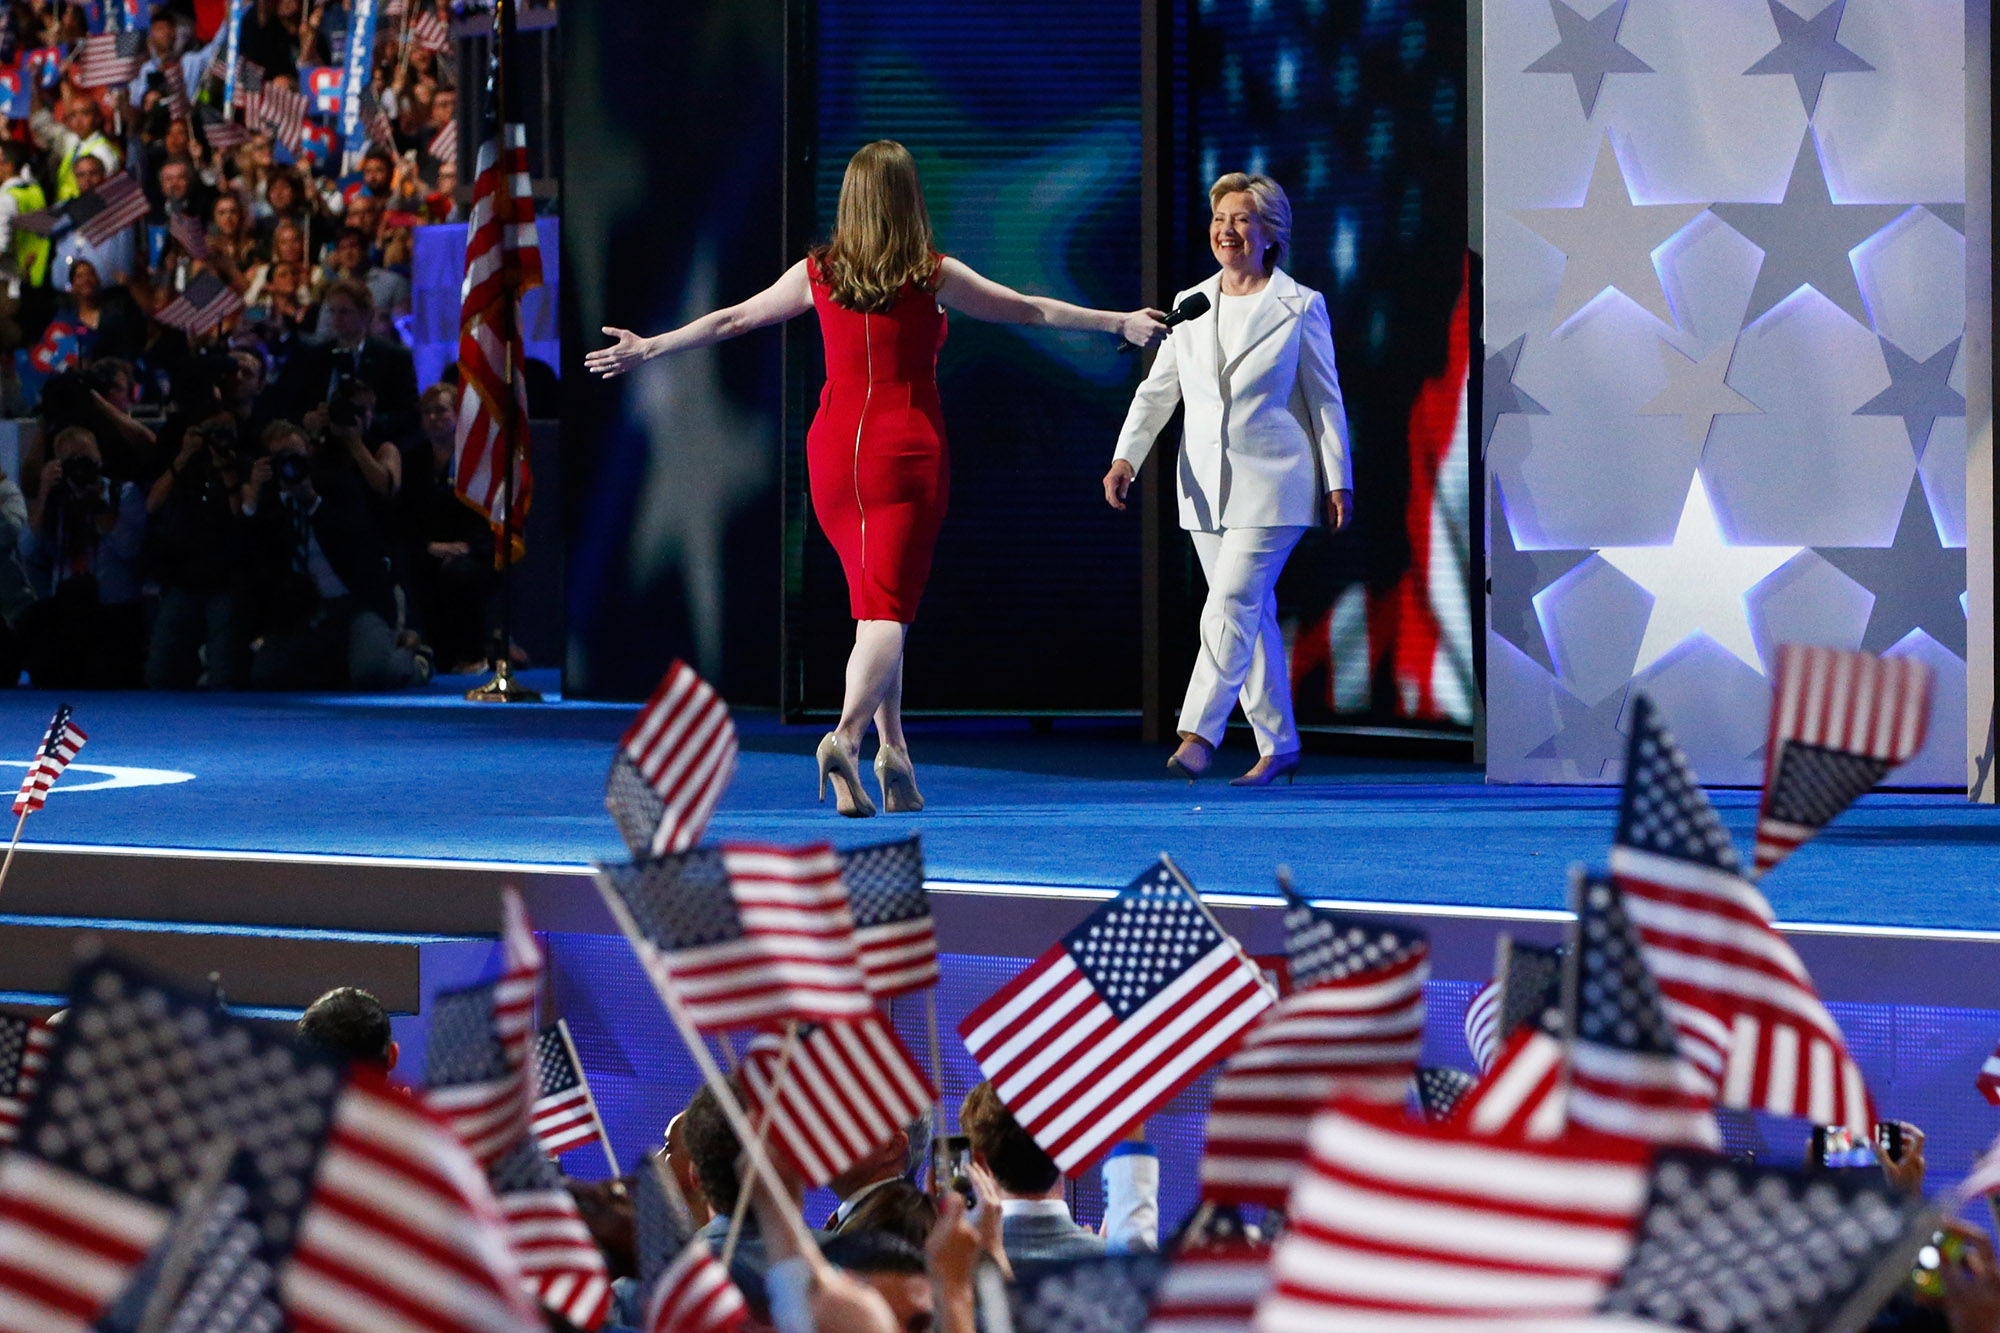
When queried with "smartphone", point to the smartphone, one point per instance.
{"points": [[1946, 1249], [1889, 1140], [1833, 1147], [951, 1163]]}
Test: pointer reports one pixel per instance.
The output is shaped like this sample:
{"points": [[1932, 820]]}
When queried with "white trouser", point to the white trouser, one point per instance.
{"points": [[1242, 652]]}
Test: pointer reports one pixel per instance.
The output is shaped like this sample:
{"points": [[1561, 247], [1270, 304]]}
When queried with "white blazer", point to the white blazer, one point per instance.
{"points": [[1265, 436]]}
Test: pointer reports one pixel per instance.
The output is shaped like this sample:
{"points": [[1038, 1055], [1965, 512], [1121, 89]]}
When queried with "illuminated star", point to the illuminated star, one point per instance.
{"points": [[1588, 50], [1919, 392], [1809, 50], [1807, 239], [1917, 580], [1696, 392], [1698, 582], [1608, 241], [1515, 577]]}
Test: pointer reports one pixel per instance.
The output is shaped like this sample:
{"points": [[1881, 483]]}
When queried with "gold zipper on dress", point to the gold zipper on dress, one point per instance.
{"points": [[860, 423]]}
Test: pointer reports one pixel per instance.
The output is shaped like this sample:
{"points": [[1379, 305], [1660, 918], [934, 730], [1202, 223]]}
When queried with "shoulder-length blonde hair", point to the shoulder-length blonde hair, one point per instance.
{"points": [[881, 231], [1268, 202]]}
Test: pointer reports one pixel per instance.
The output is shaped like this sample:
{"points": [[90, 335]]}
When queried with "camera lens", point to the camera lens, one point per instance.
{"points": [[81, 471], [291, 468]]}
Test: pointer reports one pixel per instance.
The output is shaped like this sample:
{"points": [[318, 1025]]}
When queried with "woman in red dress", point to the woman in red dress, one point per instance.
{"points": [[875, 455]]}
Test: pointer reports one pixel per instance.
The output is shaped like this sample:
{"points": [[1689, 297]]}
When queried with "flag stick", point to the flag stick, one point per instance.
{"points": [[930, 1022], [1234, 943], [589, 1097], [725, 1096], [785, 1050], [8, 864]]}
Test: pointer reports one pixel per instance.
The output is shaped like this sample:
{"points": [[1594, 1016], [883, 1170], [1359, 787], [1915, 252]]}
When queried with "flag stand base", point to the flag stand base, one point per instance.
{"points": [[503, 688]]}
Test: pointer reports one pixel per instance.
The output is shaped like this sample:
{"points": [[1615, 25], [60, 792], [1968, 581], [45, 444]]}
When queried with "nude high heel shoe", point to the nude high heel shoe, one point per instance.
{"points": [[898, 780], [836, 761], [1192, 759], [1269, 769]]}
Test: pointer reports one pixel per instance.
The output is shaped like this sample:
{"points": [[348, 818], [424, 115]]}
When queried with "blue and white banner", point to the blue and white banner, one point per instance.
{"points": [[235, 22], [356, 73]]}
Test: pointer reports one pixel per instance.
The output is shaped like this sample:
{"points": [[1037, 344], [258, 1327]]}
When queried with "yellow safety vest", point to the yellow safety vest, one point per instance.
{"points": [[96, 146], [30, 252]]}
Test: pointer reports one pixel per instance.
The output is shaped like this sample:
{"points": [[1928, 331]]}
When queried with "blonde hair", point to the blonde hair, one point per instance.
{"points": [[881, 231], [1267, 201]]}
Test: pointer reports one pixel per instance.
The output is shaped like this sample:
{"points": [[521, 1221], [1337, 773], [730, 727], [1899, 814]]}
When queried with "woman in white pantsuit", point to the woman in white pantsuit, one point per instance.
{"points": [[1263, 457]]}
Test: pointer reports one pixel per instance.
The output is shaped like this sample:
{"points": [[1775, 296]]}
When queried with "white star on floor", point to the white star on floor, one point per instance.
{"points": [[1698, 583], [1697, 393]]}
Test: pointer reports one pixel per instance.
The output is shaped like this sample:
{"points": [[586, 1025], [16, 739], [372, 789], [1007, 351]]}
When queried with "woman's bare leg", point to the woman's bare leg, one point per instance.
{"points": [[874, 670]]}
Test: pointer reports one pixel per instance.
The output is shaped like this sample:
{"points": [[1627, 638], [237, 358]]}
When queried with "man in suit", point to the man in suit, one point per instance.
{"points": [[317, 369], [895, 1160], [1034, 1220]]}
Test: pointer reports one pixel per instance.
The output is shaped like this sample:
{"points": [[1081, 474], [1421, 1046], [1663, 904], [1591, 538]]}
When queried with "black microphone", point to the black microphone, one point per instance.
{"points": [[1193, 308]]}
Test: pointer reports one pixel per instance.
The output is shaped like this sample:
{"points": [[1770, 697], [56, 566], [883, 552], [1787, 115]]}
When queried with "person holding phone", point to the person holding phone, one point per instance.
{"points": [[1263, 457]]}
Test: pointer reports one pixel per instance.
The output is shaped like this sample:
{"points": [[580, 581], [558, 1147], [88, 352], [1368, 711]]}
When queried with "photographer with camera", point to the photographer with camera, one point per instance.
{"points": [[197, 550], [316, 370], [447, 545], [99, 399], [322, 604], [82, 555]]}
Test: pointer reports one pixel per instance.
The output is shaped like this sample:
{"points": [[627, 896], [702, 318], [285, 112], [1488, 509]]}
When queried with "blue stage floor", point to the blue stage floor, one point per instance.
{"points": [[427, 776]]}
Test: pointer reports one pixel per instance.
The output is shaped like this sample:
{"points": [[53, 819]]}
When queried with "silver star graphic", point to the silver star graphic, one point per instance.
{"points": [[1587, 737], [1917, 581], [1499, 393], [1919, 392], [1588, 50], [1696, 392], [1808, 50], [1608, 241], [1514, 577], [1807, 238]]}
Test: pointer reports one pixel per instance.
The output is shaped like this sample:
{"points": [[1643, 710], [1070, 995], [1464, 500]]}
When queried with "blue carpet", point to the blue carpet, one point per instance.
{"points": [[425, 775]]}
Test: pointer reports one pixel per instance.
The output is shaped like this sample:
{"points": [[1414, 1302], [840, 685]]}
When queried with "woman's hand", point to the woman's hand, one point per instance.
{"points": [[1117, 482], [1143, 328], [1906, 1172], [624, 354], [1339, 509]]}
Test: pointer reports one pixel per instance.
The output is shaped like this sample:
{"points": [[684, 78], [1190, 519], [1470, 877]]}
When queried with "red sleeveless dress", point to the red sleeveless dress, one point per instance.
{"points": [[875, 453]]}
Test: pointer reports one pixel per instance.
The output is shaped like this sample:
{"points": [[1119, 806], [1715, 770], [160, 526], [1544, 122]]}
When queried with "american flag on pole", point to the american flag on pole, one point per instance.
{"points": [[1109, 1293], [109, 209], [24, 1050], [249, 84], [745, 933], [1394, 1224], [1743, 1249], [564, 1268], [892, 916], [1115, 1018], [1988, 1081], [1839, 722], [207, 301], [429, 31], [685, 1289], [1482, 1024], [563, 1115], [144, 1087], [376, 121], [1212, 1288], [503, 258], [282, 111], [189, 232], [1745, 1005], [1353, 1027], [844, 1090], [1531, 979], [672, 765], [105, 58], [477, 1056], [1627, 1076], [1440, 1089], [59, 745], [444, 144], [178, 106], [1525, 1095], [219, 131]]}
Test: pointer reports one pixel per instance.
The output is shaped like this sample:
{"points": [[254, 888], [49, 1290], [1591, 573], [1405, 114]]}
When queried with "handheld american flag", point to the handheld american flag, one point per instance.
{"points": [[845, 1089], [1744, 1249], [477, 1056], [1482, 1024], [892, 916], [672, 765], [563, 1115], [175, 82], [1627, 1076], [562, 1264], [207, 301], [24, 1050], [1393, 1222], [105, 58], [429, 32], [59, 745], [282, 111], [1353, 1027], [1743, 1002], [1212, 1288], [1530, 978], [444, 144], [745, 934], [1109, 1293], [685, 1289], [1839, 722], [1115, 1018], [1440, 1089], [1525, 1094], [503, 258], [109, 209], [219, 131]]}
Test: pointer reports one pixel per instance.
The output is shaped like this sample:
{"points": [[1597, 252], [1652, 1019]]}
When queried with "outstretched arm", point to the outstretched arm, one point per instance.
{"points": [[982, 298], [789, 296]]}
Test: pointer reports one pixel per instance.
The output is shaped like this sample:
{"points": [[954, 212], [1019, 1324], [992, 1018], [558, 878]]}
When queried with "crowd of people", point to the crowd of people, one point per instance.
{"points": [[266, 502]]}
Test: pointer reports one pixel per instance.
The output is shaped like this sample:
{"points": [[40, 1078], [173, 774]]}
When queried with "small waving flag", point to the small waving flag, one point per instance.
{"points": [[429, 32], [672, 765], [109, 209], [476, 1059], [562, 1264], [1440, 1089], [24, 1050], [1107, 1293], [105, 58], [175, 83], [1116, 1018], [281, 111], [59, 745], [444, 144], [563, 1116], [685, 1289], [187, 229], [844, 1090], [1839, 722], [1212, 1287], [1525, 1095], [207, 301], [893, 928], [745, 934], [1482, 1024], [220, 132]]}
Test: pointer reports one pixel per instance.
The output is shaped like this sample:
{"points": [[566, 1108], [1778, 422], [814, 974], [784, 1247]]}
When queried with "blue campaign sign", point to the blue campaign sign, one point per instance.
{"points": [[355, 73]]}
